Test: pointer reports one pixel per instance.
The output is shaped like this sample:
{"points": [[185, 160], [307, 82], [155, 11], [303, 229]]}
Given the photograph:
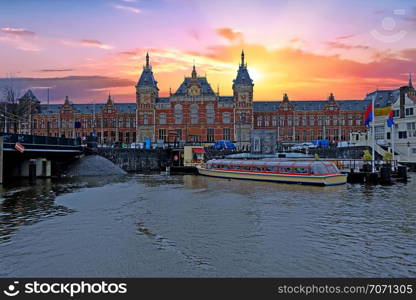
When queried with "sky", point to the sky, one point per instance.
{"points": [[308, 49]]}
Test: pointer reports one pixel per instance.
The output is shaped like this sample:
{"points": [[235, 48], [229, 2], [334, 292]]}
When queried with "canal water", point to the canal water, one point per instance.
{"points": [[193, 226]]}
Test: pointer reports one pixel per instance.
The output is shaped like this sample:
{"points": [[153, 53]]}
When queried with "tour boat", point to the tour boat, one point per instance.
{"points": [[314, 172]]}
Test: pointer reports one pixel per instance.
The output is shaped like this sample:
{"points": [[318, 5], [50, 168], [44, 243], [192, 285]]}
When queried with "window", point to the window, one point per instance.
{"points": [[226, 118], [274, 121], [178, 134], [162, 134], [379, 132], [396, 113], [145, 119], [402, 134], [409, 111], [194, 113], [226, 134], [289, 120], [178, 114], [311, 120], [342, 120], [259, 121], [266, 121], [327, 120], [120, 123], [358, 120], [301, 170], [242, 118], [281, 122], [210, 113], [320, 118], [285, 170], [411, 129], [162, 118], [210, 135]]}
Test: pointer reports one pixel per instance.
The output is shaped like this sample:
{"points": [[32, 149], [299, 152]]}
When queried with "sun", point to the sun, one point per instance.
{"points": [[255, 74]]}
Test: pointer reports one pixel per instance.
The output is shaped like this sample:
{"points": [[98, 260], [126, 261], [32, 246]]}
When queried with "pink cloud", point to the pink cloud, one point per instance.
{"points": [[17, 31]]}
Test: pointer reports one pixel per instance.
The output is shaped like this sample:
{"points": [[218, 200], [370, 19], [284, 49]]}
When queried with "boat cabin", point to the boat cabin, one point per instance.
{"points": [[275, 167]]}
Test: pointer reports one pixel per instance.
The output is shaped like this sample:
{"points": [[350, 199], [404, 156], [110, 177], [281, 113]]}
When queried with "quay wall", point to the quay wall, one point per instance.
{"points": [[137, 160]]}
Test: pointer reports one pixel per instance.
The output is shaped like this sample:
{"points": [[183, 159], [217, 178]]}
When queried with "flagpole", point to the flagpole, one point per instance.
{"points": [[373, 134], [392, 144]]}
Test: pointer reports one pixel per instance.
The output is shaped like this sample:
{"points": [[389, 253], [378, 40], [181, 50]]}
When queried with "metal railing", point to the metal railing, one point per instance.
{"points": [[39, 140]]}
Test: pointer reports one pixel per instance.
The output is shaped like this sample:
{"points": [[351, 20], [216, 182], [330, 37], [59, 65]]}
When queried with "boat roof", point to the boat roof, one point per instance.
{"points": [[282, 163]]}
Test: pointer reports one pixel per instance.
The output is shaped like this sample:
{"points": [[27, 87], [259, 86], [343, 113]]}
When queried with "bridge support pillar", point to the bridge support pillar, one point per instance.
{"points": [[43, 167]]}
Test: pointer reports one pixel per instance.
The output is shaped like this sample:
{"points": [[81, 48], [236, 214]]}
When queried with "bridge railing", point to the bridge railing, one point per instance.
{"points": [[39, 140]]}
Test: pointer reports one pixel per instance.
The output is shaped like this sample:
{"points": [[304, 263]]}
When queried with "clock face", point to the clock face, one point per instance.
{"points": [[243, 97], [146, 98], [194, 91]]}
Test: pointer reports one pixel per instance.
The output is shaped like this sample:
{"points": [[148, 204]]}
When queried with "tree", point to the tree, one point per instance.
{"points": [[367, 156], [11, 94]]}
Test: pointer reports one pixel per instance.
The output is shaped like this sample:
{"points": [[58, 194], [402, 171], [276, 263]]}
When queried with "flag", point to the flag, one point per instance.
{"points": [[390, 119], [368, 117]]}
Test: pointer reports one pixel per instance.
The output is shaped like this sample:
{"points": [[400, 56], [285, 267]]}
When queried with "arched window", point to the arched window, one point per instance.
{"points": [[194, 113], [210, 113], [162, 118], [226, 118], [178, 114]]}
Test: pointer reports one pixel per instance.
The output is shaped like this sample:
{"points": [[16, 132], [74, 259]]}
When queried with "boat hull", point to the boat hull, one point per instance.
{"points": [[322, 180]]}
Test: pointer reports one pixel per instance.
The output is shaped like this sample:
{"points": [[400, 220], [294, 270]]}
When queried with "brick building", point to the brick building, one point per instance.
{"points": [[195, 113]]}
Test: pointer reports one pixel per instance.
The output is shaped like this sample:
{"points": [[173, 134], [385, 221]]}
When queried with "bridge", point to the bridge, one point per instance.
{"points": [[23, 155]]}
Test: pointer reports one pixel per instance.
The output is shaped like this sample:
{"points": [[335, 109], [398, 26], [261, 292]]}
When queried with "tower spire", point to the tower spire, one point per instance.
{"points": [[147, 60], [193, 71], [410, 80], [242, 58]]}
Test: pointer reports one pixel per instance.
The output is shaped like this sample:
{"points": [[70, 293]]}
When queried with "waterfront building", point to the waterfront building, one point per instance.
{"points": [[402, 135], [195, 113]]}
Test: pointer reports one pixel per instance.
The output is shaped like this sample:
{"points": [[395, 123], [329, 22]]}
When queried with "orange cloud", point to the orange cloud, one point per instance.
{"points": [[230, 34], [301, 74], [87, 43]]}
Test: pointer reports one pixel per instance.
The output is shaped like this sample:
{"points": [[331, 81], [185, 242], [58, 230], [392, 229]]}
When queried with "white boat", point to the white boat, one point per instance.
{"points": [[322, 173]]}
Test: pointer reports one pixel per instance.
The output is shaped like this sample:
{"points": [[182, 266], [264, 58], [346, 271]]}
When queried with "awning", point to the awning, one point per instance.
{"points": [[198, 150]]}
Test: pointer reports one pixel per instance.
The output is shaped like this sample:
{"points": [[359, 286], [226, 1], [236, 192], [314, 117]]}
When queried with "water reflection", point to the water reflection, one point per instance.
{"points": [[160, 225]]}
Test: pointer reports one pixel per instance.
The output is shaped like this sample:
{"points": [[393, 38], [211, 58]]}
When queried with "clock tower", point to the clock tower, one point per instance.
{"points": [[243, 105], [146, 94]]}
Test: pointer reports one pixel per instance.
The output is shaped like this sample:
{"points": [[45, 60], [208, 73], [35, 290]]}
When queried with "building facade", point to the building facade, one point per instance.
{"points": [[399, 138], [195, 113]]}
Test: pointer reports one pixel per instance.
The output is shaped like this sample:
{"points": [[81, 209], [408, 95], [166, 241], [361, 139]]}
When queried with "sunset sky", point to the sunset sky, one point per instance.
{"points": [[85, 49]]}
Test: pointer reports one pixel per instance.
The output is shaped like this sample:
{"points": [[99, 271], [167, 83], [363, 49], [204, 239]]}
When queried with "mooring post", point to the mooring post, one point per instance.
{"points": [[32, 170]]}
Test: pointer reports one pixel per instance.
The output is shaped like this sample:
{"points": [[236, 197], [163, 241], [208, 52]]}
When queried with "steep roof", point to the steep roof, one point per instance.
{"points": [[243, 78], [88, 108], [202, 81], [310, 105], [146, 78], [29, 96]]}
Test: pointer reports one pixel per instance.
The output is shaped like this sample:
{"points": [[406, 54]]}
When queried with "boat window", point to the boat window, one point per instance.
{"points": [[301, 170], [257, 169], [319, 169], [236, 167], [209, 166], [246, 168], [269, 169], [332, 169], [285, 170]]}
